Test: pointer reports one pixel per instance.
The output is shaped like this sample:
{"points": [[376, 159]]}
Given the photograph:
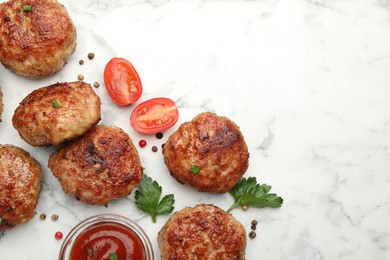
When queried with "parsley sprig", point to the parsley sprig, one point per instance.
{"points": [[249, 192], [147, 198]]}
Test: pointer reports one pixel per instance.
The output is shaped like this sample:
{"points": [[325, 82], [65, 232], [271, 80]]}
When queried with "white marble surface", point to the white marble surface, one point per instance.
{"points": [[308, 82]]}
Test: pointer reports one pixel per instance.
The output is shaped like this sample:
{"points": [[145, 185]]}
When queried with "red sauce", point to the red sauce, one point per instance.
{"points": [[104, 238]]}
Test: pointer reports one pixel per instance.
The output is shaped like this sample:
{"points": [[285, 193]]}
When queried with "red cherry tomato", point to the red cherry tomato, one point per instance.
{"points": [[122, 81], [154, 115]]}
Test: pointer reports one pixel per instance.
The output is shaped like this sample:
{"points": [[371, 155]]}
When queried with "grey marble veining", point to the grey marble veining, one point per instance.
{"points": [[308, 83]]}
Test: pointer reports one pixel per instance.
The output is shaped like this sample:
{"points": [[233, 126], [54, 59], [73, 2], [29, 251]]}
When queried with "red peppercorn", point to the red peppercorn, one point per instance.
{"points": [[58, 235], [142, 143]]}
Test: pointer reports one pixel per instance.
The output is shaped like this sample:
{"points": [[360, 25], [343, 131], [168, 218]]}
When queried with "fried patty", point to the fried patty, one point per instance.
{"points": [[1, 104], [38, 42], [57, 113], [20, 185], [203, 232], [209, 153], [101, 166]]}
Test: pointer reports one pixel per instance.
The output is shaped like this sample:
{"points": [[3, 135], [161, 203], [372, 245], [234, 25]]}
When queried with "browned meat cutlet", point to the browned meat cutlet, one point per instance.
{"points": [[101, 166], [203, 232], [38, 42], [57, 113], [20, 186], [208, 153]]}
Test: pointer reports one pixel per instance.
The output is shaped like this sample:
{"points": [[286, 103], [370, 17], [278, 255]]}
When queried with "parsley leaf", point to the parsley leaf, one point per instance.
{"points": [[249, 192], [147, 198], [113, 256]]}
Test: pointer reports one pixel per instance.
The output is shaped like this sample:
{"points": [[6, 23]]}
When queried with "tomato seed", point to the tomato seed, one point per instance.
{"points": [[58, 235], [142, 143]]}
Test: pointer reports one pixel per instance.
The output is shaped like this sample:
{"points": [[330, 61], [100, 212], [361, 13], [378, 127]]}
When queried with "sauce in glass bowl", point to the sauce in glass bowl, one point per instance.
{"points": [[100, 236]]}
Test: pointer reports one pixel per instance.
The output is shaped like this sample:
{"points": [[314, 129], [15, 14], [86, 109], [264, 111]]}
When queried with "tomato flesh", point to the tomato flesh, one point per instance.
{"points": [[154, 115], [122, 81]]}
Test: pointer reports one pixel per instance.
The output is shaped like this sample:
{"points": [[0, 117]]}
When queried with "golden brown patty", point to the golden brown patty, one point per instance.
{"points": [[20, 185], [100, 166], [202, 232], [35, 43], [57, 113], [1, 104], [213, 145]]}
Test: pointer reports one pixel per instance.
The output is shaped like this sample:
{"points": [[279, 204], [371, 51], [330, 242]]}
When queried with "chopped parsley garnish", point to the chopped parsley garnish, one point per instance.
{"points": [[113, 256], [89, 251], [55, 103], [249, 192], [195, 169], [27, 8], [147, 198]]}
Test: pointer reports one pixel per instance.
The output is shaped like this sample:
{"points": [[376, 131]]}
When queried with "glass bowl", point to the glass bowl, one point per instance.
{"points": [[98, 221]]}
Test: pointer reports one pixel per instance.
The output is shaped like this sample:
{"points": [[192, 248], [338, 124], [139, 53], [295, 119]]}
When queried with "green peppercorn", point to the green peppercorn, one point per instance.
{"points": [[91, 55], [252, 234]]}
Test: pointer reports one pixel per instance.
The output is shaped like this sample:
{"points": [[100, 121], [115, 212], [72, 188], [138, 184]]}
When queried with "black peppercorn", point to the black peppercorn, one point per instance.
{"points": [[252, 234]]}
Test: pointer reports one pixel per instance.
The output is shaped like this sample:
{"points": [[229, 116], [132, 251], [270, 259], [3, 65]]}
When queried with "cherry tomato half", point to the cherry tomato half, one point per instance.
{"points": [[154, 115], [122, 81]]}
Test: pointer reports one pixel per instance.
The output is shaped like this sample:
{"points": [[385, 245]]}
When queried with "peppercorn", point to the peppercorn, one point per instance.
{"points": [[58, 235], [81, 62], [96, 84], [42, 217], [91, 55], [80, 77], [254, 222], [253, 227], [154, 148], [252, 234], [159, 135], [142, 143], [245, 207], [54, 217], [162, 146]]}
